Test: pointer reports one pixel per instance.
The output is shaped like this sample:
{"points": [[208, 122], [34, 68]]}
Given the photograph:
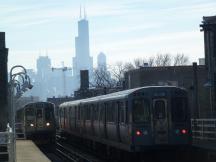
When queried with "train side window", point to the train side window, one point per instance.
{"points": [[63, 117], [82, 113], [72, 116], [126, 112], [110, 112], [141, 109], [179, 106], [62, 113], [115, 106], [122, 112], [78, 113], [92, 106], [95, 112], [102, 112], [87, 112]]}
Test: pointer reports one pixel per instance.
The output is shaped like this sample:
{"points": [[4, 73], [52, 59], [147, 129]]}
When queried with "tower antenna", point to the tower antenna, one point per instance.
{"points": [[85, 16], [80, 12], [46, 52]]}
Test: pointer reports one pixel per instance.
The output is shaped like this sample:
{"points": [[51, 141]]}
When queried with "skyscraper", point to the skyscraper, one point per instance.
{"points": [[82, 59], [101, 61], [42, 82], [43, 67]]}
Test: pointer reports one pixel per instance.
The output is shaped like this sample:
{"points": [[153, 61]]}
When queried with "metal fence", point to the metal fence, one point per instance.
{"points": [[204, 129], [7, 143]]}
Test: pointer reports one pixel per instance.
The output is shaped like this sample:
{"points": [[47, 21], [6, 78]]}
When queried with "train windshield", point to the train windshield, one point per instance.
{"points": [[29, 114], [48, 112], [39, 113], [159, 109], [141, 109], [179, 106]]}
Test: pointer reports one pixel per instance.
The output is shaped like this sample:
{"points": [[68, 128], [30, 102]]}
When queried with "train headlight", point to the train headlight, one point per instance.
{"points": [[32, 125], [47, 124]]}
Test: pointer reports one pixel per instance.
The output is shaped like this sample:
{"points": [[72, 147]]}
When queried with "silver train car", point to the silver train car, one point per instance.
{"points": [[132, 120], [38, 119]]}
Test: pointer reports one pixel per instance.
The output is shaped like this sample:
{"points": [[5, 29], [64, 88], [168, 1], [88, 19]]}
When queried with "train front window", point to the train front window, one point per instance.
{"points": [[141, 109], [39, 113], [30, 114], [48, 113], [178, 109], [159, 109]]}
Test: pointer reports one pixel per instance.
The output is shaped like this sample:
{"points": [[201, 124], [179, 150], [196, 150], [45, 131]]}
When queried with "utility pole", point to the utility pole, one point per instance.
{"points": [[196, 110], [3, 83], [63, 69]]}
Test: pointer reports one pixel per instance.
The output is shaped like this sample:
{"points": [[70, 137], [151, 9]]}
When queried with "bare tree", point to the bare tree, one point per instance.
{"points": [[151, 61], [180, 59], [102, 78], [117, 73], [114, 76], [129, 66], [139, 62], [158, 60], [166, 61], [163, 60]]}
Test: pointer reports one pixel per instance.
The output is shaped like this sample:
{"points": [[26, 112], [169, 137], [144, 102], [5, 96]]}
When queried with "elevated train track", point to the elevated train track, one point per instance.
{"points": [[73, 153]]}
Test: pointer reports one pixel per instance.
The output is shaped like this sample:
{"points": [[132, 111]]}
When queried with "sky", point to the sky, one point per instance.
{"points": [[122, 29]]}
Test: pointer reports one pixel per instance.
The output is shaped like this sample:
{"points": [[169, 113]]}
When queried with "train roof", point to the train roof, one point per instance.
{"points": [[116, 95], [30, 103]]}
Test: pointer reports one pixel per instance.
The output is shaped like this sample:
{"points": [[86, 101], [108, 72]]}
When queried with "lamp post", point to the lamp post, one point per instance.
{"points": [[20, 89]]}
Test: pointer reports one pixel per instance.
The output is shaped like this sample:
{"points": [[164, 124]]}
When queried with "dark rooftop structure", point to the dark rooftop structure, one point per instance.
{"points": [[209, 27], [193, 78]]}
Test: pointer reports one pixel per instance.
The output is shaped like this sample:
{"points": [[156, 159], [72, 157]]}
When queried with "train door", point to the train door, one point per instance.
{"points": [[160, 121], [39, 118]]}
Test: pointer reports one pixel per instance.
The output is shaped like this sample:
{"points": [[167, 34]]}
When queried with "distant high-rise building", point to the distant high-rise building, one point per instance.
{"points": [[101, 61], [43, 67], [82, 59], [42, 82]]}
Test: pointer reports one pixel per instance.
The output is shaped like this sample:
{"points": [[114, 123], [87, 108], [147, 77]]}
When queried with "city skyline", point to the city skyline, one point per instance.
{"points": [[123, 30]]}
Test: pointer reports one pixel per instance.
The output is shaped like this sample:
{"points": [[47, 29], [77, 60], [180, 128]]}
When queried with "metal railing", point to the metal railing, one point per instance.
{"points": [[7, 142], [204, 129]]}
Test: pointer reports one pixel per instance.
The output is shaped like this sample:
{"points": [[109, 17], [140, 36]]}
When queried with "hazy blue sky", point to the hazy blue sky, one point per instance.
{"points": [[122, 29]]}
